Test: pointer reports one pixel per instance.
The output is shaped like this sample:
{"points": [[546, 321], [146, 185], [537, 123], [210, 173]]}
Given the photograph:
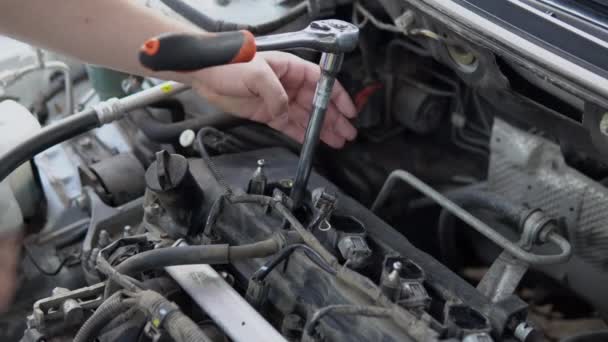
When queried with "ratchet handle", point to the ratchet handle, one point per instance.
{"points": [[189, 52]]}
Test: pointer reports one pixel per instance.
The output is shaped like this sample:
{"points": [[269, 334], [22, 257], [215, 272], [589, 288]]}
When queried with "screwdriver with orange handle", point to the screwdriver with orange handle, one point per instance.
{"points": [[190, 52], [186, 52]]}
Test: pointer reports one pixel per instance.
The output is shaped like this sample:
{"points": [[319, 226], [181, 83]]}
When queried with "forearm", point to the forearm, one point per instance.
{"points": [[102, 32]]}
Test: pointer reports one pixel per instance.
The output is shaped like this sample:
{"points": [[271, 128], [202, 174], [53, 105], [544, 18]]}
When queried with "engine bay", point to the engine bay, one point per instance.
{"points": [[471, 207]]}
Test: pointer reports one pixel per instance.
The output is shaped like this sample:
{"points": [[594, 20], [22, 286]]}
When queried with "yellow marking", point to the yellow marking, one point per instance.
{"points": [[156, 322], [166, 88]]}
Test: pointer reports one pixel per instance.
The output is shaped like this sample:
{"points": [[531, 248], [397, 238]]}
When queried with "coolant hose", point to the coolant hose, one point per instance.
{"points": [[168, 315], [47, 137], [161, 132], [108, 310], [207, 23]]}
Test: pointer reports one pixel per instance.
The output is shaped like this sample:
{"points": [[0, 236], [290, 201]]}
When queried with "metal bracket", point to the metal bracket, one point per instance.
{"points": [[223, 304], [49, 309]]}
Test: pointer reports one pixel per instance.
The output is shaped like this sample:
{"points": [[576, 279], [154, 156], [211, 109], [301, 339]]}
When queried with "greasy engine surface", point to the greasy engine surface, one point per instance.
{"points": [[300, 287], [472, 158]]}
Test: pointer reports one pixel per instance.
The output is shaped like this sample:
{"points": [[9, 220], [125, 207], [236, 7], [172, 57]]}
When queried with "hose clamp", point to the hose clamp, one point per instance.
{"points": [[161, 312], [108, 111], [279, 197]]}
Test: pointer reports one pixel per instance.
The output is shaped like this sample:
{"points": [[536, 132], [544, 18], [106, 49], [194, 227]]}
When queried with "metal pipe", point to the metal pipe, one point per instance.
{"points": [[151, 95], [67, 79], [480, 226], [40, 66], [330, 66]]}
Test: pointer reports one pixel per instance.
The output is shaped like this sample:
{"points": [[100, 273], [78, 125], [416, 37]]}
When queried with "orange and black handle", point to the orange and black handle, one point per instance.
{"points": [[189, 52]]}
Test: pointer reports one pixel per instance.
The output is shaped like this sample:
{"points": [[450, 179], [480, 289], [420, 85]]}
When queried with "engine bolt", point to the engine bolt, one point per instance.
{"points": [[187, 137]]}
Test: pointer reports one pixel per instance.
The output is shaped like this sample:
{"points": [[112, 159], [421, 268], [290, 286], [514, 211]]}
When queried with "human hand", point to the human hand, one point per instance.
{"points": [[277, 89], [9, 257]]}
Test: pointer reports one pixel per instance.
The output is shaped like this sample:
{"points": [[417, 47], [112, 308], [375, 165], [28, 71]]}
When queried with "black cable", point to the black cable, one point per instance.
{"points": [[408, 45], [45, 138], [345, 309], [207, 23], [263, 272], [105, 313], [41, 269], [202, 150]]}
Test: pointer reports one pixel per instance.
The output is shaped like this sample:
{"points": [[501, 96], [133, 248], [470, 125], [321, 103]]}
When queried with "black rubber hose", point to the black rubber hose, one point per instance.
{"points": [[171, 256], [191, 255], [107, 311], [162, 132], [174, 106], [47, 137], [259, 249], [594, 336], [207, 23], [188, 255]]}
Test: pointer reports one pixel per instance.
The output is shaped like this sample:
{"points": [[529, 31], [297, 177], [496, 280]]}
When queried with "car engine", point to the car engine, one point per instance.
{"points": [[471, 207]]}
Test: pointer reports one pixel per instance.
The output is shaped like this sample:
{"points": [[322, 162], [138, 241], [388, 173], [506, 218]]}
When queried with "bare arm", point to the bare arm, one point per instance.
{"points": [[103, 32], [275, 88]]}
